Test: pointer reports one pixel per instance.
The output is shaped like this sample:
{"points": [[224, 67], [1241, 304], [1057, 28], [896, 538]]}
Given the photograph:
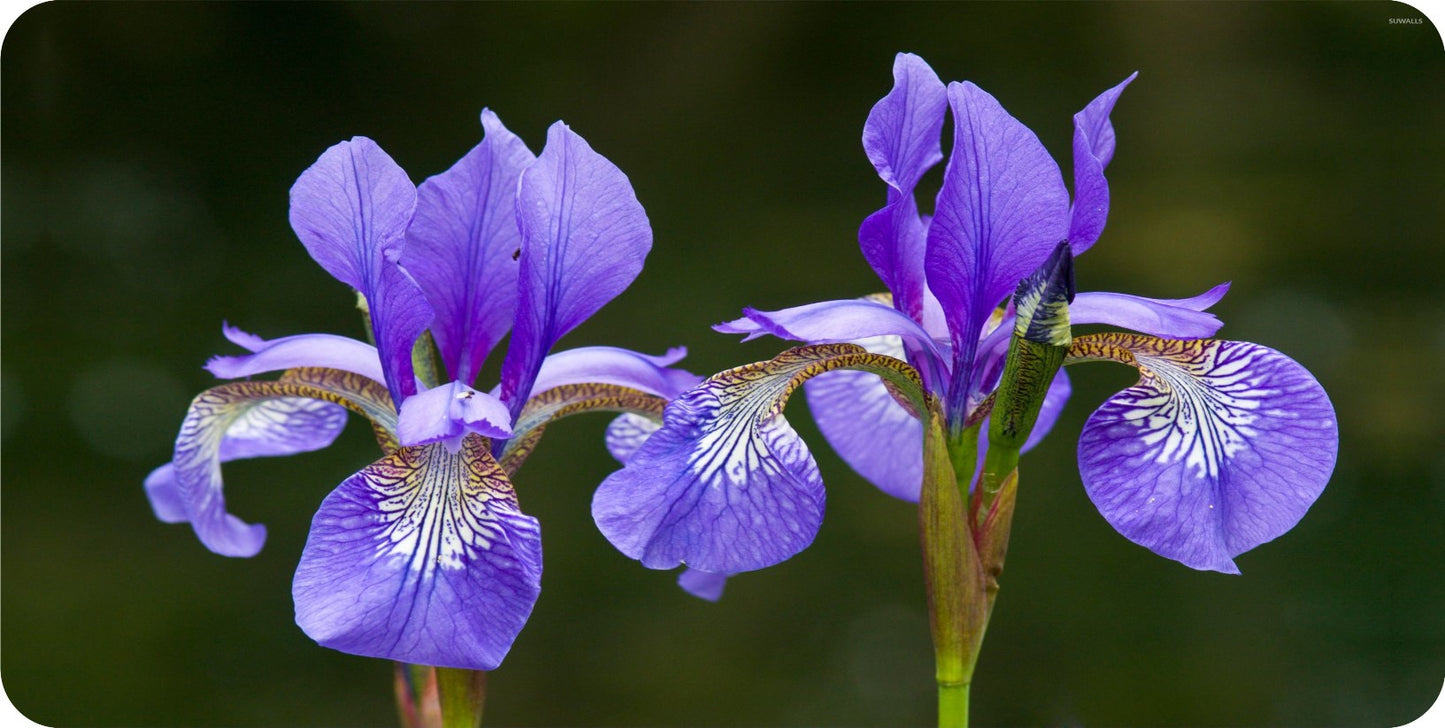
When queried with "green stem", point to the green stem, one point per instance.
{"points": [[463, 694], [953, 705]]}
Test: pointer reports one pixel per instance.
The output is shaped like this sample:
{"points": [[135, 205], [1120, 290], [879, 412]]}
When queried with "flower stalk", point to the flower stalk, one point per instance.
{"points": [[953, 576]]}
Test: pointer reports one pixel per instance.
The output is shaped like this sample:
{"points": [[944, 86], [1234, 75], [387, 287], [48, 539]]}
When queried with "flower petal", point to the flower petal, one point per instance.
{"points": [[237, 420], [901, 136], [874, 434], [351, 209], [1175, 319], [1093, 148], [627, 432], [164, 495], [702, 584], [726, 485], [613, 365], [902, 139], [422, 557], [290, 352], [1001, 211], [461, 246], [1220, 446], [267, 428], [830, 322], [584, 240], [449, 413]]}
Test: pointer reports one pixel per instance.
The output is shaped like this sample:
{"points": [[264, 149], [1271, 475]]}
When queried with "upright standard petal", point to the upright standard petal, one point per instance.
{"points": [[584, 238], [462, 248], [1093, 149], [1001, 211], [423, 557], [867, 427], [351, 210], [902, 140], [1220, 447]]}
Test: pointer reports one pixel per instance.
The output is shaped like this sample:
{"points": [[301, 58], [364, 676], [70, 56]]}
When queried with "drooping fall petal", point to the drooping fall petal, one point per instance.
{"points": [[1220, 446], [867, 427], [272, 417], [726, 485], [422, 557]]}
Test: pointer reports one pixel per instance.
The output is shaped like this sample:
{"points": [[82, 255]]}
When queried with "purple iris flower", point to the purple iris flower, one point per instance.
{"points": [[1219, 447], [425, 556]]}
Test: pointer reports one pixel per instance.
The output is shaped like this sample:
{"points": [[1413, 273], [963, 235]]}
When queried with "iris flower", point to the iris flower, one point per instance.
{"points": [[425, 556], [1219, 447]]}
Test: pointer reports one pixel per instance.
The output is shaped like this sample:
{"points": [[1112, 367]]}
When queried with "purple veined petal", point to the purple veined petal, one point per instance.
{"points": [[627, 432], [303, 350], [1177, 319], [267, 428], [902, 134], [902, 140], [448, 413], [229, 422], [422, 557], [702, 584], [893, 241], [462, 244], [879, 439], [1093, 149], [836, 322], [1221, 446], [725, 486], [351, 210], [164, 495], [584, 236], [1001, 211], [249, 342], [613, 365]]}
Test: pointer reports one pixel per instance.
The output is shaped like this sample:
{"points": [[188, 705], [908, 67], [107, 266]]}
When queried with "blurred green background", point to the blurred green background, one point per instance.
{"points": [[1293, 148]]}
